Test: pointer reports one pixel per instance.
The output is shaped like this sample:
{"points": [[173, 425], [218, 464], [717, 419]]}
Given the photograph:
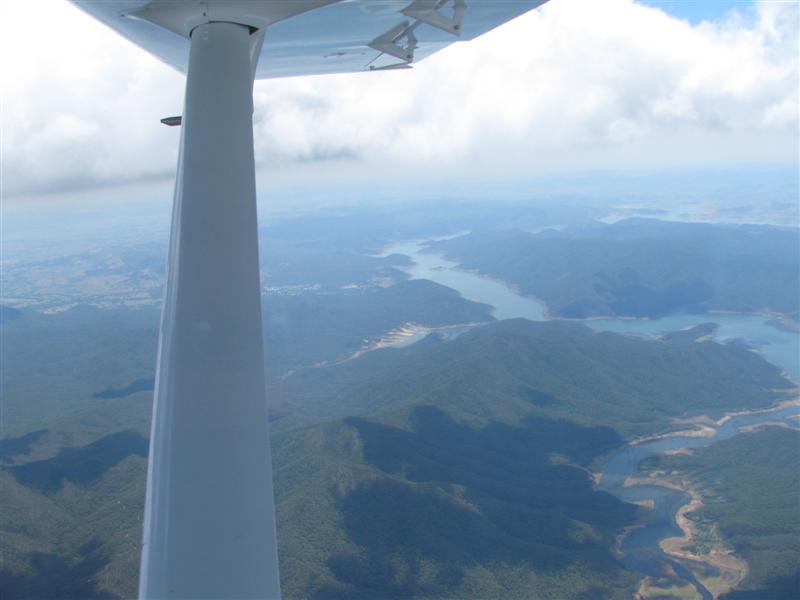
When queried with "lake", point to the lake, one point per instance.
{"points": [[640, 548], [780, 347]]}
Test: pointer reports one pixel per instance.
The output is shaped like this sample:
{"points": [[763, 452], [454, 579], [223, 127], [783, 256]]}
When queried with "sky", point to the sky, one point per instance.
{"points": [[576, 86], [696, 11]]}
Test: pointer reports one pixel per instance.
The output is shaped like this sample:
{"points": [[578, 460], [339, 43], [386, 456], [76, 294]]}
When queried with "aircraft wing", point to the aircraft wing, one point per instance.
{"points": [[312, 37]]}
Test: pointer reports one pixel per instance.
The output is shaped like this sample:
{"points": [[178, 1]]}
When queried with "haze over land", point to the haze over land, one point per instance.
{"points": [[459, 465]]}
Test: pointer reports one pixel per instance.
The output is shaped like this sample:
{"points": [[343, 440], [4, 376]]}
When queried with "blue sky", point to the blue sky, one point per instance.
{"points": [[695, 11]]}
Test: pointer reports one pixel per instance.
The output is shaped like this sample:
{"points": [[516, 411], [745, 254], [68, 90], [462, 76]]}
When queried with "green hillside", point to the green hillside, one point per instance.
{"points": [[454, 476], [444, 510], [445, 469], [507, 370]]}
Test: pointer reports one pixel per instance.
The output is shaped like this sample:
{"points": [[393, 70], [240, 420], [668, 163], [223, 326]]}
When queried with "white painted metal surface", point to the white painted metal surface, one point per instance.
{"points": [[209, 528], [308, 37]]}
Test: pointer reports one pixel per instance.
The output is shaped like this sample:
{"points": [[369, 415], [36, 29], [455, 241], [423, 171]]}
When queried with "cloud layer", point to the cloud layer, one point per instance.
{"points": [[578, 84]]}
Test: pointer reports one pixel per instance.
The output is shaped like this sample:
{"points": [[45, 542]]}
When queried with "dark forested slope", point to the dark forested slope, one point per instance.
{"points": [[445, 469], [461, 468]]}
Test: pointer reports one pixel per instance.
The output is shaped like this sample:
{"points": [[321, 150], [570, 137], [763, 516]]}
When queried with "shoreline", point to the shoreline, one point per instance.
{"points": [[778, 320], [707, 427], [728, 570], [702, 431], [401, 333], [397, 336], [719, 556], [789, 324]]}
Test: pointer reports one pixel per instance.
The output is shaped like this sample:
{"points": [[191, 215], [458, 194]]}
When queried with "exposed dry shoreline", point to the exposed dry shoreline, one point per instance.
{"points": [[399, 334], [755, 411], [701, 431], [389, 340], [706, 426], [733, 569]]}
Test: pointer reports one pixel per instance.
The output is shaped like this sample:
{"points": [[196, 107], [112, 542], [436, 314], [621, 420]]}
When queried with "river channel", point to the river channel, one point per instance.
{"points": [[640, 548]]}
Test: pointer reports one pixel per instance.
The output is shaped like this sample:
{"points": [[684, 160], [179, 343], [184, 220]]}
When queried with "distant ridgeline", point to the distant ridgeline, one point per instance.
{"points": [[642, 267]]}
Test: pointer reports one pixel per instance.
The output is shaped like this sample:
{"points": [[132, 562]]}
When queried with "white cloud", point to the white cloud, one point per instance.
{"points": [[80, 104], [579, 84]]}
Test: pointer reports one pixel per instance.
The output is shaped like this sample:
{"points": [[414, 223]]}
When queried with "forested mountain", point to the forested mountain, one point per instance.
{"points": [[461, 468], [553, 368], [457, 468], [642, 267]]}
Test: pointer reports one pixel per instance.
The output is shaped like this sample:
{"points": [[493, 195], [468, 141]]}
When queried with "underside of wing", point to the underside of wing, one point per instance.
{"points": [[310, 37]]}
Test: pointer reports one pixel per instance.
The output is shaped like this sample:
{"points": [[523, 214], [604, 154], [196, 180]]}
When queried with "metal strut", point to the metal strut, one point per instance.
{"points": [[209, 529]]}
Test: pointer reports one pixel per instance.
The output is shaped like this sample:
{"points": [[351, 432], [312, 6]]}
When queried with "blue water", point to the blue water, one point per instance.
{"points": [[640, 548], [781, 348], [623, 464], [507, 303]]}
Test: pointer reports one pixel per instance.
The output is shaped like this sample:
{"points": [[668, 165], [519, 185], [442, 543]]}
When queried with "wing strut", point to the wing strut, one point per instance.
{"points": [[209, 529]]}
